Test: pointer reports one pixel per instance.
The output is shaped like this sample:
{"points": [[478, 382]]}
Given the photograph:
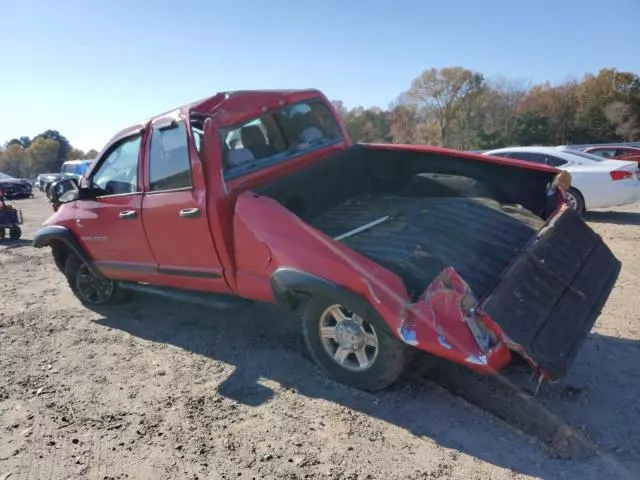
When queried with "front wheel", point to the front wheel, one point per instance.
{"points": [[90, 289], [354, 350]]}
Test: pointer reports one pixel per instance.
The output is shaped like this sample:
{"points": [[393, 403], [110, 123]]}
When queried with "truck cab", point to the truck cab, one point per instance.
{"points": [[379, 249]]}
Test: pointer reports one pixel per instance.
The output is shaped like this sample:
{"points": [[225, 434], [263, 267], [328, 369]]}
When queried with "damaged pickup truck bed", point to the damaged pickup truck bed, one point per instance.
{"points": [[380, 249]]}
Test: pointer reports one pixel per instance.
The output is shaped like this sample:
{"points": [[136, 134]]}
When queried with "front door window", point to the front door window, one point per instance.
{"points": [[118, 173]]}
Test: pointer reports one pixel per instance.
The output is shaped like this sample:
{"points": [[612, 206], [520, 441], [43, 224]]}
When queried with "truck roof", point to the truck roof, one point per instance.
{"points": [[230, 107]]}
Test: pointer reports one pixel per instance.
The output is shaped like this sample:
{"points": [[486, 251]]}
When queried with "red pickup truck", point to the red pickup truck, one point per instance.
{"points": [[379, 249]]}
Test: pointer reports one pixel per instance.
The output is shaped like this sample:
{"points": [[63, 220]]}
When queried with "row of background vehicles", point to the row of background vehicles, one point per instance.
{"points": [[15, 188], [603, 176], [70, 169]]}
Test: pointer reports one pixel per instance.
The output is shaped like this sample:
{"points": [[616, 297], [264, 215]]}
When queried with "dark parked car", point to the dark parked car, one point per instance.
{"points": [[15, 187]]}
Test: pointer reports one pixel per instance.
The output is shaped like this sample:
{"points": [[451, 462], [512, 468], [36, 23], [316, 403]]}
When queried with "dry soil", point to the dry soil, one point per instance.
{"points": [[161, 390]]}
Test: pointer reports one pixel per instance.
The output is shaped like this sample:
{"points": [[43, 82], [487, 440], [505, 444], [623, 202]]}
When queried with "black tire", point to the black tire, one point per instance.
{"points": [[15, 233], [392, 358], [60, 257], [579, 200], [75, 268]]}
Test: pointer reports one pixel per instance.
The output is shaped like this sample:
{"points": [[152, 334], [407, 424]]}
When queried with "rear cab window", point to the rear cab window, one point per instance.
{"points": [[277, 136]]}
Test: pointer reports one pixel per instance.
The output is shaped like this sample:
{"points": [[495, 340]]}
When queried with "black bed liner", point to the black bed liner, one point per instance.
{"points": [[550, 297], [479, 237]]}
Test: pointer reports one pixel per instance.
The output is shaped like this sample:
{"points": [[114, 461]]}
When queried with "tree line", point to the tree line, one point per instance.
{"points": [[26, 157], [452, 107], [460, 108]]}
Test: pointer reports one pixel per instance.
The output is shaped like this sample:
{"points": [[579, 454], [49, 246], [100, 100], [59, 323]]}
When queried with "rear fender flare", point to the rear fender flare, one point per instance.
{"points": [[47, 236], [292, 288]]}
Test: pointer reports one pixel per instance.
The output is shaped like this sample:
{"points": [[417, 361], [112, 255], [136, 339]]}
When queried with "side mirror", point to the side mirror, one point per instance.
{"points": [[63, 191]]}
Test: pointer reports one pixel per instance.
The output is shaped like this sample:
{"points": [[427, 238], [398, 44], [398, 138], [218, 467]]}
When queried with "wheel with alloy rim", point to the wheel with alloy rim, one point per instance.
{"points": [[348, 338], [352, 348], [90, 289], [574, 199]]}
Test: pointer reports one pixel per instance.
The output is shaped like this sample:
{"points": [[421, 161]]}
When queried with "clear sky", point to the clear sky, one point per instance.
{"points": [[88, 68]]}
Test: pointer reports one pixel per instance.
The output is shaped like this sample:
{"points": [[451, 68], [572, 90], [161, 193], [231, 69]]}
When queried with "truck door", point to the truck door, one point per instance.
{"points": [[109, 227], [174, 212]]}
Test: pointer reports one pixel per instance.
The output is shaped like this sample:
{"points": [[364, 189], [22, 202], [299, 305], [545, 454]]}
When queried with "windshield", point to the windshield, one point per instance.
{"points": [[4, 176], [588, 156]]}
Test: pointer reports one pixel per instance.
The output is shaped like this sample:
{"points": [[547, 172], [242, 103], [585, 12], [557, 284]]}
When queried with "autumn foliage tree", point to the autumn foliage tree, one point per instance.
{"points": [[460, 108], [46, 152]]}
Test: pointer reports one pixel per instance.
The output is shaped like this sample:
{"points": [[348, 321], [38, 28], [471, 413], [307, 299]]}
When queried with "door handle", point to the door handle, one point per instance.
{"points": [[190, 212], [127, 214]]}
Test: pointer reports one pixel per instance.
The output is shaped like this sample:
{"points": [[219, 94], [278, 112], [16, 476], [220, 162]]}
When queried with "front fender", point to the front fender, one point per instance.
{"points": [[50, 235]]}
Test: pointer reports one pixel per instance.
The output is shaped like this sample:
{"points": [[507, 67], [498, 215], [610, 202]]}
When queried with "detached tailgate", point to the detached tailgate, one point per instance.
{"points": [[551, 295]]}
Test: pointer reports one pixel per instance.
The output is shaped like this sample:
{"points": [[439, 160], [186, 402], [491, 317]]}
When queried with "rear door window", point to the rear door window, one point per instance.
{"points": [[169, 165]]}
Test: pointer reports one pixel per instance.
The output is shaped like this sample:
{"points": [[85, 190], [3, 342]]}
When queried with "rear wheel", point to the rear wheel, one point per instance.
{"points": [[90, 289], [575, 200], [354, 350]]}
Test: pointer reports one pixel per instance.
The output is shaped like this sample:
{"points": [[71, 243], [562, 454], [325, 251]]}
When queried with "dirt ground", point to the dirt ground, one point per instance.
{"points": [[161, 390]]}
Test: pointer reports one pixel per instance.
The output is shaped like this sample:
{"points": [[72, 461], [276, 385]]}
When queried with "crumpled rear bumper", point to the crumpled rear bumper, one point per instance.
{"points": [[444, 322], [543, 306]]}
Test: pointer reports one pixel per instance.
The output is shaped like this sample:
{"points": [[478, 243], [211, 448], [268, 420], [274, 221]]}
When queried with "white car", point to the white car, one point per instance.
{"points": [[596, 182]]}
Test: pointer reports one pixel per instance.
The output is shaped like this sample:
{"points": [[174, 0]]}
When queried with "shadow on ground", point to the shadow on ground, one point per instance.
{"points": [[6, 244], [262, 343], [616, 218]]}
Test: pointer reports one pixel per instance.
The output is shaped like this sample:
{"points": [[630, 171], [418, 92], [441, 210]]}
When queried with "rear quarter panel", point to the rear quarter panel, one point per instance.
{"points": [[267, 236]]}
